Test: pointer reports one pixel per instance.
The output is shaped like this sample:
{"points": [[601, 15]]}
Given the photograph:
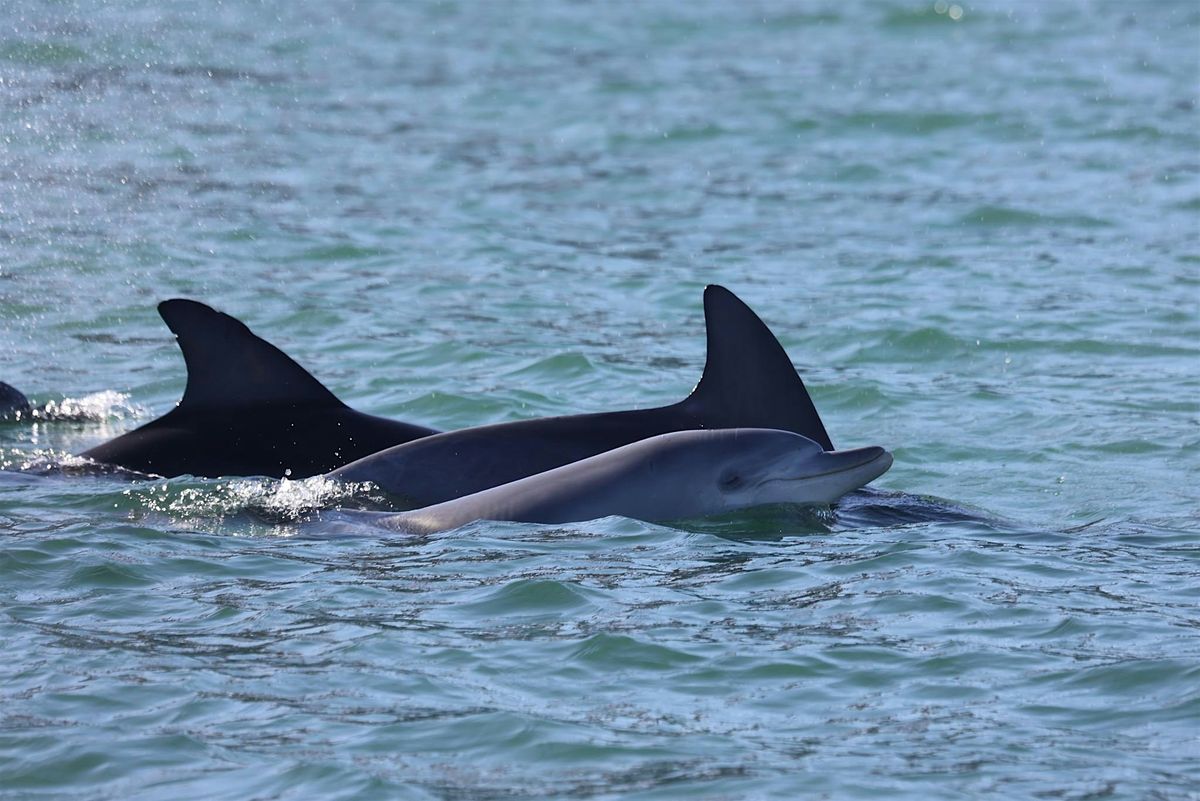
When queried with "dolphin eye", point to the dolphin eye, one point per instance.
{"points": [[731, 481]]}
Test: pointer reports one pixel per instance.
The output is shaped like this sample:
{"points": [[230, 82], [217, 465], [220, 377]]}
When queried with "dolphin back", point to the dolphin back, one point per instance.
{"points": [[748, 382]]}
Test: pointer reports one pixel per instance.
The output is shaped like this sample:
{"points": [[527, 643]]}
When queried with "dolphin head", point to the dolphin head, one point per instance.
{"points": [[757, 466]]}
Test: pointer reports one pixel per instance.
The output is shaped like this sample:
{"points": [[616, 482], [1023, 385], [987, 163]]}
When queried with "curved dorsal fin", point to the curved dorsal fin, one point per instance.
{"points": [[748, 380], [228, 366]]}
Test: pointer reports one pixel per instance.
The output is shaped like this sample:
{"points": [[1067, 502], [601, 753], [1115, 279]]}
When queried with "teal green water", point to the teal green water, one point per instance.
{"points": [[979, 239]]}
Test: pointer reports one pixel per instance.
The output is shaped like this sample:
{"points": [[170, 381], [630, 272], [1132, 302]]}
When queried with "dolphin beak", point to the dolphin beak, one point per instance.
{"points": [[869, 463], [834, 473]]}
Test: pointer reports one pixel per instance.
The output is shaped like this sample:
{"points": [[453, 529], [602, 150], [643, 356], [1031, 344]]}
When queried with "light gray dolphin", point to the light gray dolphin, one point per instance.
{"points": [[676, 476]]}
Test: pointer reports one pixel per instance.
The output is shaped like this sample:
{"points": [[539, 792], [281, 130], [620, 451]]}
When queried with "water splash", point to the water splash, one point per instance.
{"points": [[105, 406], [205, 502], [49, 462]]}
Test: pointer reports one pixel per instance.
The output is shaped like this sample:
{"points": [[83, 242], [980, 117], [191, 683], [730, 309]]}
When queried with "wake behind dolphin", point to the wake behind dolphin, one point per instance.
{"points": [[675, 476]]}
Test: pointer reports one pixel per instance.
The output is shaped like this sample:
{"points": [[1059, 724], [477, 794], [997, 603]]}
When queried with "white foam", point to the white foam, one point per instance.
{"points": [[98, 406]]}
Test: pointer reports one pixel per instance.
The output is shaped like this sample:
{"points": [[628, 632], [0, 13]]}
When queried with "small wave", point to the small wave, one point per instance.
{"points": [[939, 13], [41, 53], [561, 365], [1004, 216], [916, 123]]}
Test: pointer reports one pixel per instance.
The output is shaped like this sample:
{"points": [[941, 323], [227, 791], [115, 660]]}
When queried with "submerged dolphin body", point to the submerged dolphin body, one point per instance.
{"points": [[676, 476], [247, 410], [748, 382]]}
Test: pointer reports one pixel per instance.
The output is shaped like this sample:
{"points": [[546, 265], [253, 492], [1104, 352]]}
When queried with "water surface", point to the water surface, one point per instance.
{"points": [[978, 238]]}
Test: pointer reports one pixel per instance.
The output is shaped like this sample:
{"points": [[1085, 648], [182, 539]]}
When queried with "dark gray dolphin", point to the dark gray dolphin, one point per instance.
{"points": [[247, 410], [748, 382], [13, 403], [676, 476]]}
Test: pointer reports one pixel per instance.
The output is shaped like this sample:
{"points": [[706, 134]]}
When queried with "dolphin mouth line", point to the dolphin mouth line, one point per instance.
{"points": [[835, 471]]}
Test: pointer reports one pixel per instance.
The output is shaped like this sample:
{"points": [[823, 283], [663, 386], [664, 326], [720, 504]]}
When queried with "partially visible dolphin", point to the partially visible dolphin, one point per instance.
{"points": [[676, 476], [247, 410], [13, 403], [748, 382]]}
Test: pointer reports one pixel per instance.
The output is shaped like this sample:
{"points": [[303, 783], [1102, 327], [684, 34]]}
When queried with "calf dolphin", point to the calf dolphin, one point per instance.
{"points": [[748, 382], [676, 476], [247, 410]]}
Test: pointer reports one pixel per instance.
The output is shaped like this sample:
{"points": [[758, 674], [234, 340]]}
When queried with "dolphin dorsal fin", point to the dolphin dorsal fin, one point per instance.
{"points": [[228, 366], [748, 380]]}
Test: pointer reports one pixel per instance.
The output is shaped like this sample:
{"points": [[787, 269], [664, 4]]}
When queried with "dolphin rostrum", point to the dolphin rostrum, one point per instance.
{"points": [[676, 476], [247, 410], [748, 382]]}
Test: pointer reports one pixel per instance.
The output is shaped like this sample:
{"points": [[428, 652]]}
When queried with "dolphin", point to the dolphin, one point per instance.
{"points": [[676, 476], [13, 403], [247, 410], [748, 382]]}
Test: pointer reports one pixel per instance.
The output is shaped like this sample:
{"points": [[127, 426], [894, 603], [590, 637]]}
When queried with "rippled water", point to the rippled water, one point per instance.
{"points": [[979, 239]]}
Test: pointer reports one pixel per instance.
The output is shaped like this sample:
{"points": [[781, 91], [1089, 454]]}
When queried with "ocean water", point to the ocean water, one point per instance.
{"points": [[974, 226]]}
